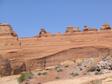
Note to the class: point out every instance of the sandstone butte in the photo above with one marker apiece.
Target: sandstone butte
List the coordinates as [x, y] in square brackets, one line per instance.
[46, 49]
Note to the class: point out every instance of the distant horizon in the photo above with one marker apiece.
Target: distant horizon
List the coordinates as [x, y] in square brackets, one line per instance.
[27, 16]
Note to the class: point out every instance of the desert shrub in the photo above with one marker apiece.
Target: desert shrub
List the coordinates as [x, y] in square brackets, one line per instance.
[74, 74]
[58, 69]
[39, 74]
[24, 76]
[57, 77]
[44, 73]
[48, 69]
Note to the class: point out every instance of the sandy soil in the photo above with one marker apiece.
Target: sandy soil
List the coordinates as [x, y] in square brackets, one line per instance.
[9, 80]
[85, 79]
[106, 79]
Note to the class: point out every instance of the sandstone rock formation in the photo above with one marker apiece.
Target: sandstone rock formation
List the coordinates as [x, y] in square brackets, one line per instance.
[89, 29]
[50, 49]
[105, 27]
[6, 30]
[18, 68]
[43, 33]
[5, 67]
[71, 30]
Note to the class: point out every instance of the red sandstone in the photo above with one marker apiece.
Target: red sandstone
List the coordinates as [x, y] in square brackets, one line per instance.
[48, 49]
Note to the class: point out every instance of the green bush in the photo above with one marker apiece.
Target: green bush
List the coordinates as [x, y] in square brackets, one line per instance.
[24, 76]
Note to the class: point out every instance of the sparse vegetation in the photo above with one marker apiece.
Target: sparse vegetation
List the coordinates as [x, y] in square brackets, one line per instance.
[74, 74]
[58, 69]
[57, 77]
[39, 74]
[72, 71]
[47, 69]
[44, 73]
[24, 76]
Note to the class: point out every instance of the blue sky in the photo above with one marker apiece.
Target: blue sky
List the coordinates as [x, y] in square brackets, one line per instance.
[28, 16]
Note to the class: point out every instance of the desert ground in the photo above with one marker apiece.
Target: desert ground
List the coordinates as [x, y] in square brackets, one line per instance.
[105, 78]
[9, 80]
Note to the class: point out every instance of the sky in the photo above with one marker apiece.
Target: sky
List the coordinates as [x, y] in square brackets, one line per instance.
[28, 16]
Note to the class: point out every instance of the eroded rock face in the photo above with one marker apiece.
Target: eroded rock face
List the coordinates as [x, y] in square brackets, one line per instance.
[43, 33]
[105, 27]
[69, 54]
[14, 34]
[6, 30]
[54, 49]
[19, 68]
[86, 28]
[8, 67]
[71, 30]
[5, 67]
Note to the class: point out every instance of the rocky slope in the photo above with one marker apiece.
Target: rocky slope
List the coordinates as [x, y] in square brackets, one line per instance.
[88, 67]
[19, 64]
